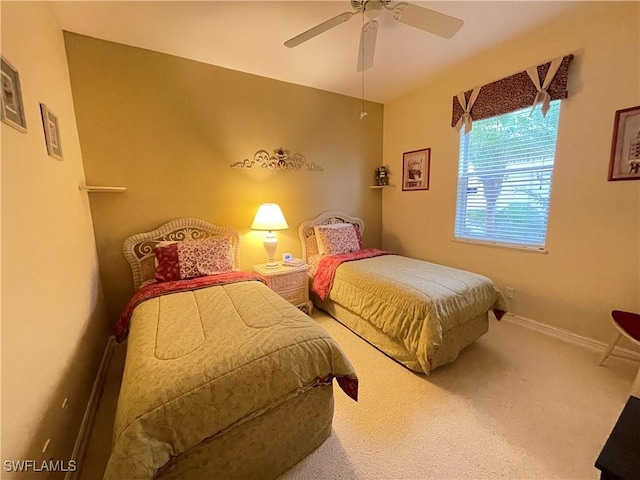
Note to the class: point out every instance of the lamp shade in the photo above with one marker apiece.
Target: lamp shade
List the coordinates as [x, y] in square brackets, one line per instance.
[269, 217]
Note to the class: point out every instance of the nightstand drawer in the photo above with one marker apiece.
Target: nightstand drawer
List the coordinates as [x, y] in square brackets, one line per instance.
[291, 283]
[295, 297]
[288, 282]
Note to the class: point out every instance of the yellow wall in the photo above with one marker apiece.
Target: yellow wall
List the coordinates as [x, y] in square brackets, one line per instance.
[593, 241]
[54, 328]
[168, 129]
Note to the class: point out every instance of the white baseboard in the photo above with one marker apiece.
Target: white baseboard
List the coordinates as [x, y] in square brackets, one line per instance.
[570, 337]
[90, 412]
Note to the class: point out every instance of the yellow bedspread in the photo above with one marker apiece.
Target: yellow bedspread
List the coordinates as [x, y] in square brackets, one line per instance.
[202, 361]
[413, 301]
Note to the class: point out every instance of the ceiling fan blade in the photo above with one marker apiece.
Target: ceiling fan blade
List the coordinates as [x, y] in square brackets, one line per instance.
[318, 29]
[367, 45]
[427, 20]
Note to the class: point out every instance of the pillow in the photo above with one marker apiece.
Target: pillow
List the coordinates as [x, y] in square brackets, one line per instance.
[337, 238]
[193, 258]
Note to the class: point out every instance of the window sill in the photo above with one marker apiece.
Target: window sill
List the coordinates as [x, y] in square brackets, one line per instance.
[506, 246]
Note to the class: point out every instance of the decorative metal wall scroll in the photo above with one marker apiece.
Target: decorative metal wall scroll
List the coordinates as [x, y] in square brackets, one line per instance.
[280, 160]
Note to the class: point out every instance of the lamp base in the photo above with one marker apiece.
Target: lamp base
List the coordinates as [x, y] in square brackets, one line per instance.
[270, 245]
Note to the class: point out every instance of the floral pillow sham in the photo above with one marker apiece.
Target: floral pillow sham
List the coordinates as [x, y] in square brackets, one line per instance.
[337, 238]
[193, 258]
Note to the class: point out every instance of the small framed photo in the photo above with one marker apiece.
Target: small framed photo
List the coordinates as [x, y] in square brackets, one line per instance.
[12, 107]
[625, 145]
[415, 169]
[51, 132]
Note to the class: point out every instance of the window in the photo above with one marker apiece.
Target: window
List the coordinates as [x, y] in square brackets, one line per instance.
[504, 178]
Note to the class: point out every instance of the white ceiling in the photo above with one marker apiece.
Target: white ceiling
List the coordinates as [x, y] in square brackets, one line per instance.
[249, 36]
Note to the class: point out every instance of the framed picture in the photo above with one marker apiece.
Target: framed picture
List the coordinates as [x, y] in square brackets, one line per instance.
[415, 169]
[12, 108]
[625, 146]
[51, 132]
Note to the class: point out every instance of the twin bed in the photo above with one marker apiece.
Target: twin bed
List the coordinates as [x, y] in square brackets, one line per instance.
[225, 379]
[419, 313]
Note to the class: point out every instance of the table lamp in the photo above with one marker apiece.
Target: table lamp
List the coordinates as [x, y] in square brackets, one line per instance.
[268, 218]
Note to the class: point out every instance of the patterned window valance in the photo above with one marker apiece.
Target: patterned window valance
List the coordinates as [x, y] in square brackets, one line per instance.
[512, 93]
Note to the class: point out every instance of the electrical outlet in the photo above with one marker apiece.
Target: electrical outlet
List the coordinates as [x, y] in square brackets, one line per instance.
[509, 292]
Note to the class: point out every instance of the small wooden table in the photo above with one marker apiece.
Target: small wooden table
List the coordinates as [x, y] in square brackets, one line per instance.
[620, 456]
[291, 283]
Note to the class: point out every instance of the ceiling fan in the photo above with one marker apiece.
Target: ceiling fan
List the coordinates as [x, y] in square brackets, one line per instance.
[419, 17]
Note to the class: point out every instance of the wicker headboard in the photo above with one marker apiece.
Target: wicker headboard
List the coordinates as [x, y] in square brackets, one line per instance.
[138, 249]
[308, 236]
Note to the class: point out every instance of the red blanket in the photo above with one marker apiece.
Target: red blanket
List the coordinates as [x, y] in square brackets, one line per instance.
[164, 288]
[323, 281]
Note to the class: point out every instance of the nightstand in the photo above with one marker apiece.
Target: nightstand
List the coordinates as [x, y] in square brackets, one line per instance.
[291, 283]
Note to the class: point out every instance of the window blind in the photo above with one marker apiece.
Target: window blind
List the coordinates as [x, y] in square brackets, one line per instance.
[504, 178]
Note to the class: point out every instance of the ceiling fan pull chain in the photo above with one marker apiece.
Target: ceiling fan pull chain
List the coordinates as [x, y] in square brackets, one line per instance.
[363, 113]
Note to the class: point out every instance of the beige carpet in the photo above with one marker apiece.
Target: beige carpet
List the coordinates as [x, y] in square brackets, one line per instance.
[517, 404]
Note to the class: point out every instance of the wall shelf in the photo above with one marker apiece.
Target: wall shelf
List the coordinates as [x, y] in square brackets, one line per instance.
[97, 188]
[381, 186]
